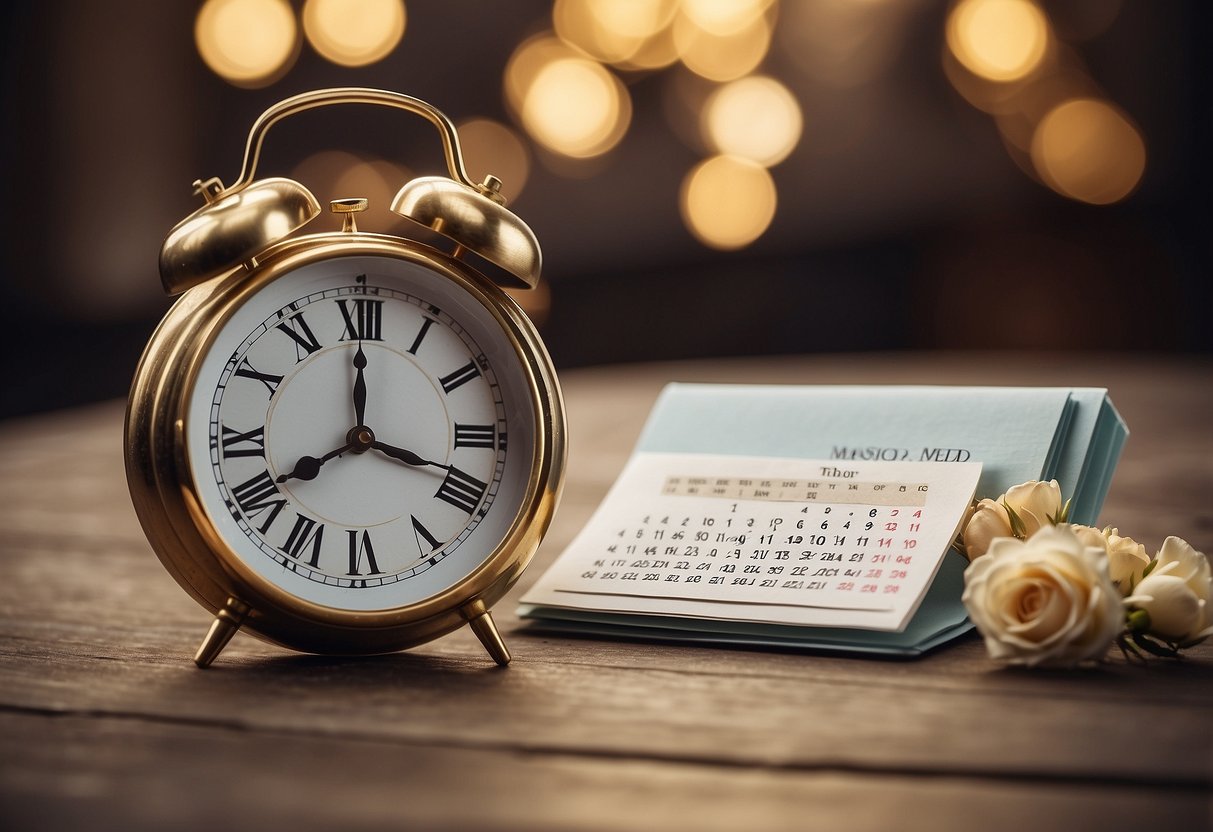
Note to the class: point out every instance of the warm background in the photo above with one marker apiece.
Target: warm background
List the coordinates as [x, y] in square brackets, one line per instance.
[991, 174]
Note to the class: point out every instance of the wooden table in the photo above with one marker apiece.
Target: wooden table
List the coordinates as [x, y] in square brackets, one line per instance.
[106, 723]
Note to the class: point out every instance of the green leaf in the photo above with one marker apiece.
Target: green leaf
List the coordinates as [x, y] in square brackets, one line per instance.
[1128, 650]
[1062, 516]
[1154, 648]
[1017, 527]
[1149, 567]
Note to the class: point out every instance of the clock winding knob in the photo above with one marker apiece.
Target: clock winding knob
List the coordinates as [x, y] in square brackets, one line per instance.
[346, 209]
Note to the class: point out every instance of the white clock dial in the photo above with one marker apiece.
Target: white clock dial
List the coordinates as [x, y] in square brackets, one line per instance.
[361, 433]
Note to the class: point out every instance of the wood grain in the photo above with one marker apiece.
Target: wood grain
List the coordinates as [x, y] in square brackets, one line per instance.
[106, 719]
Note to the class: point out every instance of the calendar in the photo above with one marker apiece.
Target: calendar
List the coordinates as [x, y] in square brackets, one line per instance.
[815, 517]
[780, 541]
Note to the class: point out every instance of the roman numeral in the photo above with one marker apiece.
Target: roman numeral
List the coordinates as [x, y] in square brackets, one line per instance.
[425, 327]
[359, 549]
[305, 531]
[422, 533]
[475, 436]
[364, 322]
[247, 370]
[301, 334]
[460, 377]
[233, 439]
[255, 495]
[461, 490]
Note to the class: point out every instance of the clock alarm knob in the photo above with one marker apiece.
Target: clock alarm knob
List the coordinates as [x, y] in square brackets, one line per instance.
[478, 221]
[232, 228]
[346, 209]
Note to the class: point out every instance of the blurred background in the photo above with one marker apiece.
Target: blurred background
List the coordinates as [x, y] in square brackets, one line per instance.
[706, 177]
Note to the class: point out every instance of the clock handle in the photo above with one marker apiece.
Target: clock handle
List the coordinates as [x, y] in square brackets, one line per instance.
[470, 213]
[481, 621]
[227, 622]
[351, 95]
[238, 223]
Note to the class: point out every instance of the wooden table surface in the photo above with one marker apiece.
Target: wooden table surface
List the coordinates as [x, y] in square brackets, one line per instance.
[105, 723]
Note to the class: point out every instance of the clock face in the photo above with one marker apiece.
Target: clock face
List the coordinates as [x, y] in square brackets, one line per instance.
[361, 433]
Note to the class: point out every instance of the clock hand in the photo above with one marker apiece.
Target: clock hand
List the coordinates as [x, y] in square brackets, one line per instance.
[360, 387]
[308, 466]
[407, 457]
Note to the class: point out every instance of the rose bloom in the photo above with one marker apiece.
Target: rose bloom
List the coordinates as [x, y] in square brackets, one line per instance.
[1127, 559]
[1033, 502]
[1177, 594]
[988, 521]
[1047, 601]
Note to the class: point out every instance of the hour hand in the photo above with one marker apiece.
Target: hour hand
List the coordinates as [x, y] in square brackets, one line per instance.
[309, 466]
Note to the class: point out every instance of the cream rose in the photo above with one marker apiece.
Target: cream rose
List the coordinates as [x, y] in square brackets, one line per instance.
[1038, 504]
[988, 521]
[1035, 505]
[1047, 601]
[1127, 559]
[1177, 594]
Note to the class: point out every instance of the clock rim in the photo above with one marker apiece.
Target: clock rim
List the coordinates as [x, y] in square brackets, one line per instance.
[175, 522]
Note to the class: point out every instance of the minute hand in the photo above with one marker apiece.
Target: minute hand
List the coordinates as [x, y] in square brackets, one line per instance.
[360, 387]
[407, 457]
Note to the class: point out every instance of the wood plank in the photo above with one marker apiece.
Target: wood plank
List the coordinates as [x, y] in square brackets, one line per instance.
[109, 645]
[85, 773]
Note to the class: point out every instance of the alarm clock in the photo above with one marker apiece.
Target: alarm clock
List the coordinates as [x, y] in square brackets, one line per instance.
[346, 442]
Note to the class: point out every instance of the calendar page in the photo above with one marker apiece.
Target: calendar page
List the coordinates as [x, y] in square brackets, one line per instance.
[819, 543]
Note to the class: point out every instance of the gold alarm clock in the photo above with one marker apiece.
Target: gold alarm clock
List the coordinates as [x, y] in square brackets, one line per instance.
[346, 442]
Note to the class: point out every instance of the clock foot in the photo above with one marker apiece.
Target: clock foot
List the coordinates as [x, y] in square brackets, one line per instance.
[484, 628]
[227, 622]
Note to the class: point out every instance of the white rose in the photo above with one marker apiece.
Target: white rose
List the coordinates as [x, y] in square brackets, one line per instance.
[1036, 503]
[1046, 601]
[988, 521]
[1127, 559]
[1177, 594]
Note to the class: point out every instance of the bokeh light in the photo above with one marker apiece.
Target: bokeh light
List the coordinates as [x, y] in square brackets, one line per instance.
[657, 52]
[354, 32]
[728, 202]
[1031, 101]
[568, 103]
[249, 43]
[613, 31]
[576, 24]
[525, 64]
[724, 17]
[722, 57]
[634, 18]
[1000, 40]
[1089, 150]
[491, 147]
[756, 117]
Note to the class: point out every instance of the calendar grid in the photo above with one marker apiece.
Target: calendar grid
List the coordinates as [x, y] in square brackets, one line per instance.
[805, 542]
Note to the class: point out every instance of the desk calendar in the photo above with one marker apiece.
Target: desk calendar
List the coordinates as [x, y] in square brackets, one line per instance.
[815, 517]
[764, 540]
